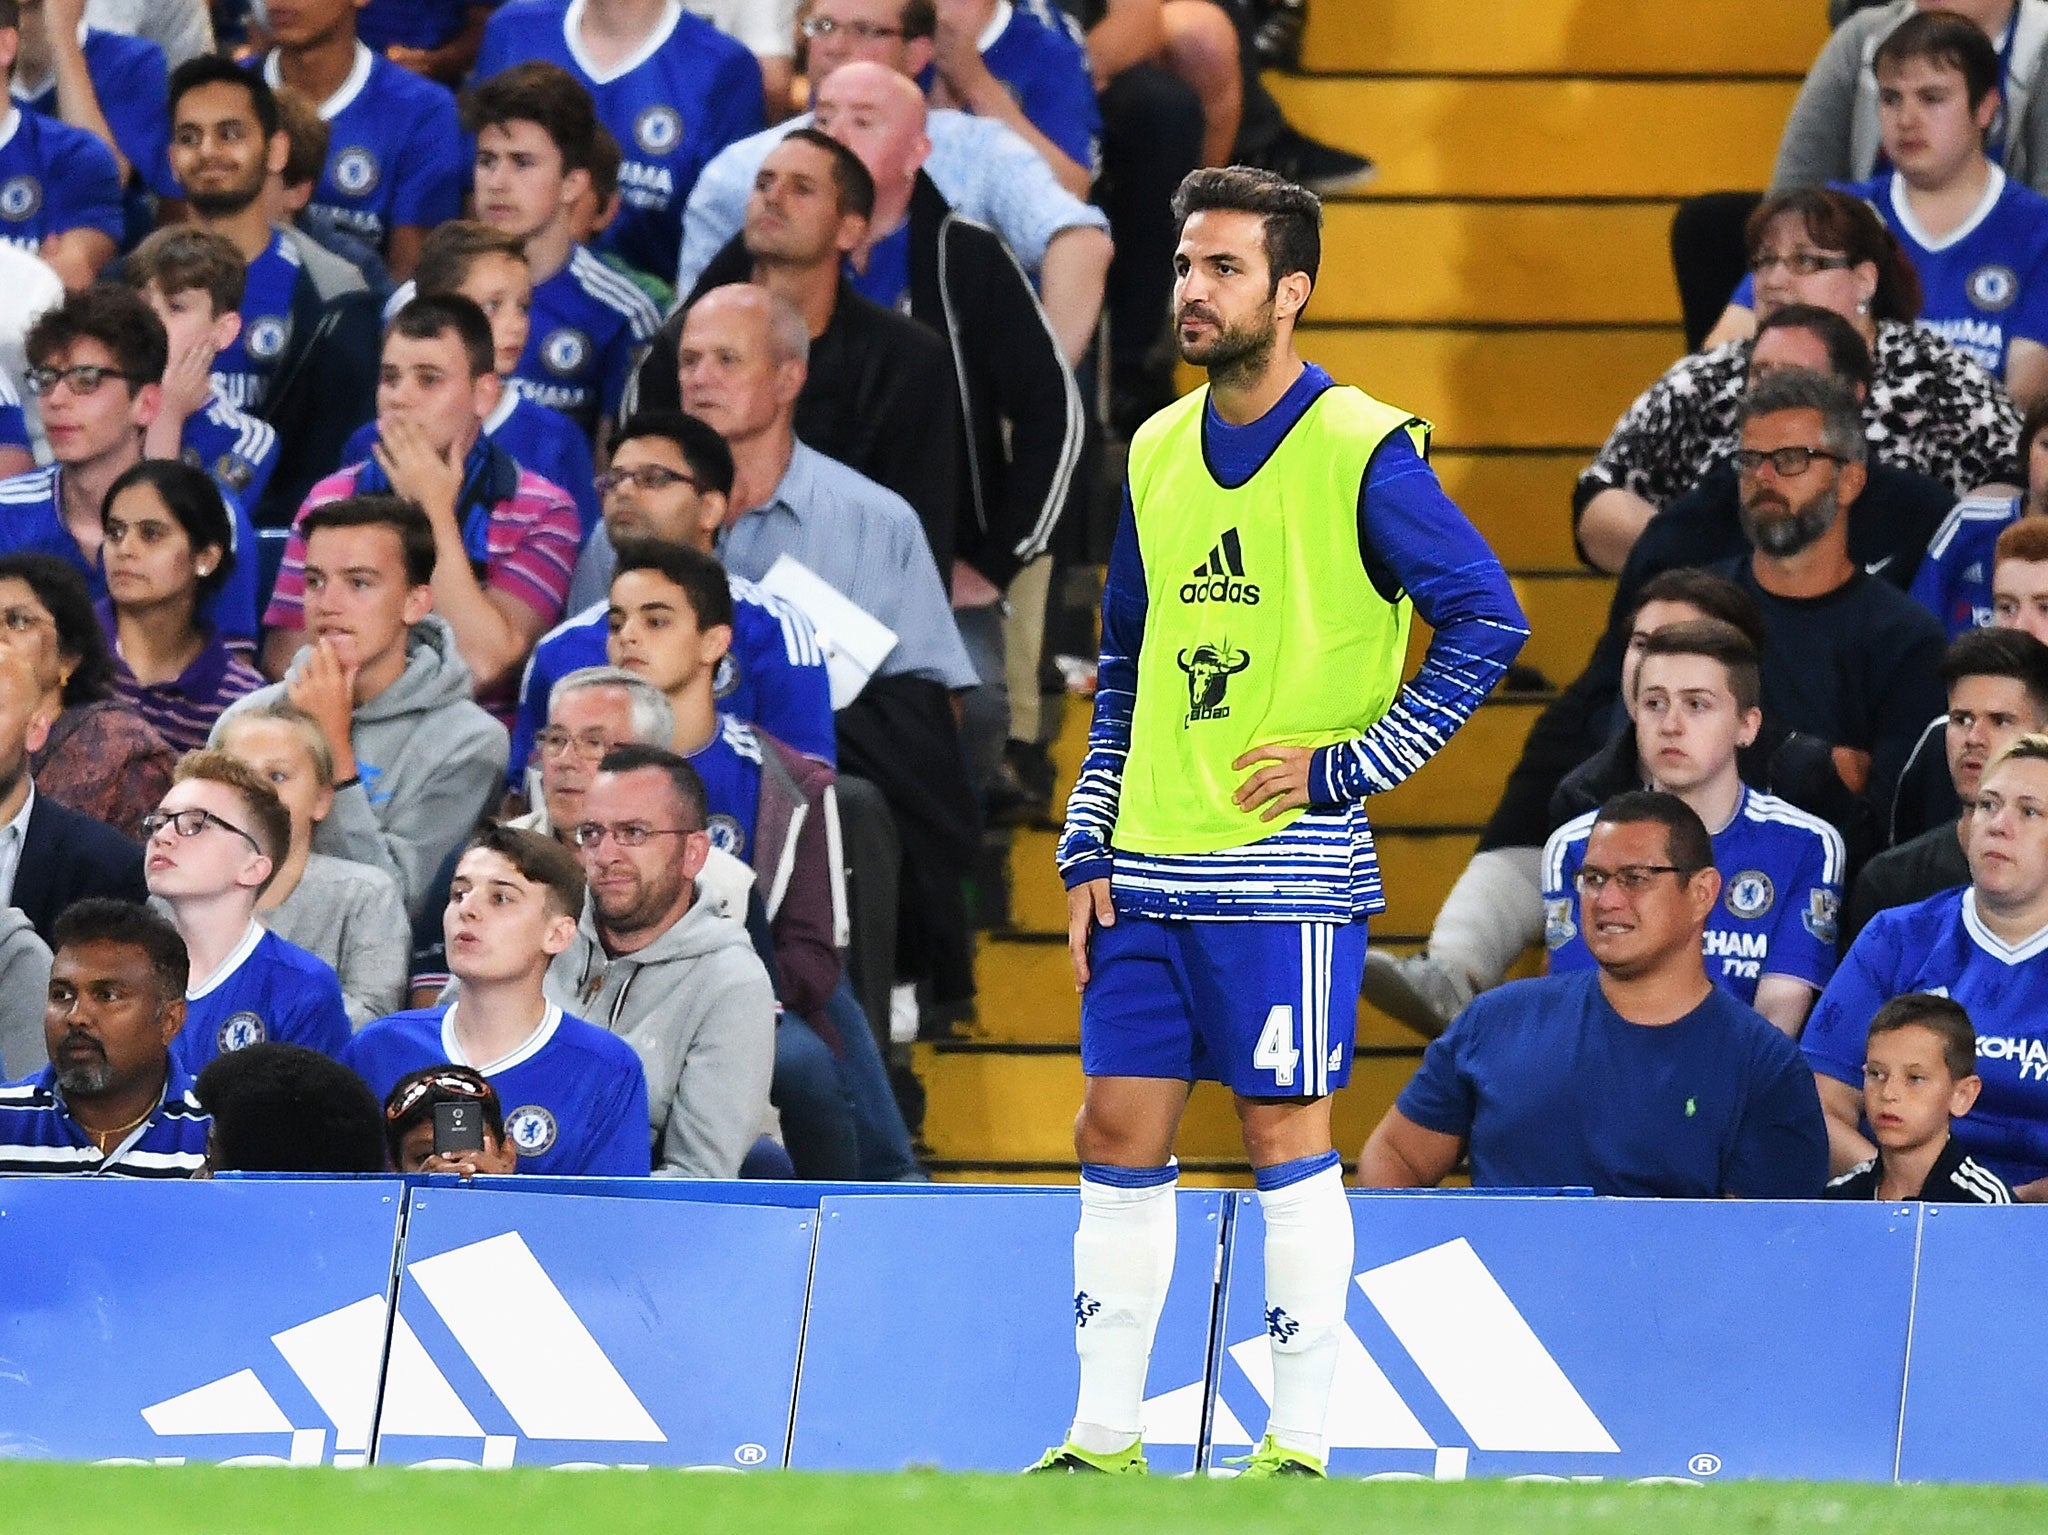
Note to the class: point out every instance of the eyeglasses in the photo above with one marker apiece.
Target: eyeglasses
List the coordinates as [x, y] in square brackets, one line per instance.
[190, 823]
[1798, 263]
[83, 378]
[554, 742]
[439, 1082]
[1632, 877]
[629, 834]
[1789, 463]
[866, 31]
[646, 477]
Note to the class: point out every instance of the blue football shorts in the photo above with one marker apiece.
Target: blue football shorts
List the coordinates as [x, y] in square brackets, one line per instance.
[1269, 1009]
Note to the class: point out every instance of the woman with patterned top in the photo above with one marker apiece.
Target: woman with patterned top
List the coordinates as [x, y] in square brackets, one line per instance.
[1931, 409]
[169, 547]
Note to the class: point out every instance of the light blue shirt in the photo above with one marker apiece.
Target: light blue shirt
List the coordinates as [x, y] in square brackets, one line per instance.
[868, 544]
[983, 168]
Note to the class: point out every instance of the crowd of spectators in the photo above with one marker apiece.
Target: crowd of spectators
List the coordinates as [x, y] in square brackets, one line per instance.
[526, 534]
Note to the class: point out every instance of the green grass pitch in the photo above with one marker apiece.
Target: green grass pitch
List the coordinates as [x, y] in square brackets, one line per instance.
[214, 1501]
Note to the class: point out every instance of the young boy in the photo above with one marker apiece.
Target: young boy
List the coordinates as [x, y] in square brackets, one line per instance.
[489, 269]
[1771, 939]
[1920, 1073]
[578, 1094]
[214, 841]
[535, 128]
[409, 1123]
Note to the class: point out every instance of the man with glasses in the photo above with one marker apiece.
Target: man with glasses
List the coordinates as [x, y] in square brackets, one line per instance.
[669, 478]
[1639, 1077]
[662, 969]
[213, 843]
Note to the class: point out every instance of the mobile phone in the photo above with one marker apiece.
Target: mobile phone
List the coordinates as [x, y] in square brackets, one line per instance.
[458, 1127]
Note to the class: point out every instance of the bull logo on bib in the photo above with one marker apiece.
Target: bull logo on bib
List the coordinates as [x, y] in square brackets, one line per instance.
[1209, 669]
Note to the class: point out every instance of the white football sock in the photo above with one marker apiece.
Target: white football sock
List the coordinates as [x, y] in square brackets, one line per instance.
[1309, 1250]
[1123, 1261]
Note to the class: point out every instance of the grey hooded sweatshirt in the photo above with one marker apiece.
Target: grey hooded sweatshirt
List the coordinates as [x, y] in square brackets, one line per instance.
[430, 760]
[24, 987]
[699, 1009]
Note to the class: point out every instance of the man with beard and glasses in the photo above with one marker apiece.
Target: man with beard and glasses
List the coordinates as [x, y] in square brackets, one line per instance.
[1859, 660]
[112, 1100]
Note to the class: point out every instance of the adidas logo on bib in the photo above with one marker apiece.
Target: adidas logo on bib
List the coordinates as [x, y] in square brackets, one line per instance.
[1220, 578]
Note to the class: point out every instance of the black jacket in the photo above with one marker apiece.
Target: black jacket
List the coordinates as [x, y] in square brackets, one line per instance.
[66, 857]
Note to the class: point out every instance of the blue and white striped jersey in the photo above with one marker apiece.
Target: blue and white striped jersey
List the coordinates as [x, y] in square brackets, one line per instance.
[38, 1134]
[1954, 579]
[589, 323]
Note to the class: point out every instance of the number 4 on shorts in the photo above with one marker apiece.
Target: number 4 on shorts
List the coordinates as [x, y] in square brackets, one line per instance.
[1275, 1050]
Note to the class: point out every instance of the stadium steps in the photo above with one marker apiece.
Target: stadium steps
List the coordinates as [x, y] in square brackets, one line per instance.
[1507, 277]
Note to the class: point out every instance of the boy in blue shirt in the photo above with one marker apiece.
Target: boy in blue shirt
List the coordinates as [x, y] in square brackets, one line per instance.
[575, 1094]
[394, 157]
[674, 91]
[60, 186]
[535, 129]
[213, 843]
[1770, 940]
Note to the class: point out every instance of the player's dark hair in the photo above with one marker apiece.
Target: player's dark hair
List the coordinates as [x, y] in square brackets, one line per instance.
[1715, 597]
[539, 860]
[707, 454]
[185, 257]
[280, 1108]
[403, 517]
[547, 96]
[1717, 641]
[101, 919]
[215, 69]
[1293, 214]
[2010, 653]
[1946, 1017]
[682, 778]
[452, 249]
[1946, 39]
[1844, 223]
[434, 315]
[1687, 847]
[269, 822]
[1848, 353]
[118, 318]
[62, 591]
[702, 578]
[194, 501]
[850, 176]
[415, 1095]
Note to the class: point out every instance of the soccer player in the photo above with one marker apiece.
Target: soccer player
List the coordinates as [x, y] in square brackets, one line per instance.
[535, 130]
[672, 89]
[60, 187]
[394, 161]
[1980, 945]
[113, 1099]
[669, 478]
[1771, 940]
[1216, 855]
[212, 844]
[1919, 1077]
[1978, 241]
[579, 1095]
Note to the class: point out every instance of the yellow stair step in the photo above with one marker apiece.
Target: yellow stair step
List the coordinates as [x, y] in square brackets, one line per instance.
[1524, 262]
[1565, 611]
[1474, 137]
[1417, 869]
[1520, 500]
[1460, 785]
[1575, 36]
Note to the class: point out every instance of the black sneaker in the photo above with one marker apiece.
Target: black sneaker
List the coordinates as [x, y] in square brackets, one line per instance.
[1324, 170]
[1277, 37]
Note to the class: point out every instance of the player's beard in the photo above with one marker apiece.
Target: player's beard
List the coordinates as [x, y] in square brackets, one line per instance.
[1234, 352]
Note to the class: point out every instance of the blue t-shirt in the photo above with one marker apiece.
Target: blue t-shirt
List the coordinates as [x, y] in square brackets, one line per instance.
[543, 440]
[574, 1096]
[1954, 579]
[730, 765]
[266, 990]
[886, 280]
[130, 79]
[1982, 285]
[774, 675]
[1556, 1089]
[685, 95]
[239, 451]
[32, 519]
[394, 151]
[589, 323]
[1942, 946]
[242, 369]
[54, 178]
[1781, 892]
[1041, 56]
[383, 24]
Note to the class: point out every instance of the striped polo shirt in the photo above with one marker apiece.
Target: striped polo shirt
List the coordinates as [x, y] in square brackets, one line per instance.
[183, 710]
[38, 1134]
